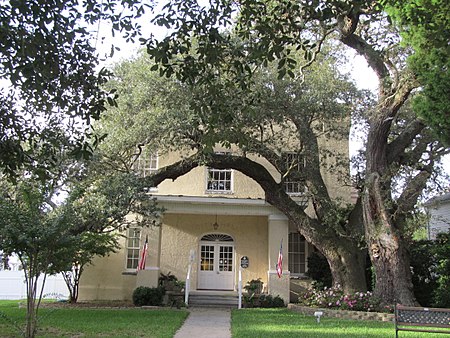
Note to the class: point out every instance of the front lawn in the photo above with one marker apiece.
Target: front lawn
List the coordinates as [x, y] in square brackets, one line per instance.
[83, 322]
[286, 323]
[89, 322]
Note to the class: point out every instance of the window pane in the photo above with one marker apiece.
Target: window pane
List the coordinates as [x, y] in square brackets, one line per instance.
[133, 247]
[294, 165]
[296, 251]
[226, 258]
[146, 164]
[207, 258]
[219, 180]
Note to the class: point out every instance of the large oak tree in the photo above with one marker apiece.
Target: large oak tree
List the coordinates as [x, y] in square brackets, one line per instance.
[309, 121]
[199, 50]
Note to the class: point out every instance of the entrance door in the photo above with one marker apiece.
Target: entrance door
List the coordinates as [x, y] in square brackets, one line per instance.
[216, 266]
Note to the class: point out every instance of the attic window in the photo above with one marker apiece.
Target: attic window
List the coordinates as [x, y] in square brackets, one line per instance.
[294, 165]
[146, 164]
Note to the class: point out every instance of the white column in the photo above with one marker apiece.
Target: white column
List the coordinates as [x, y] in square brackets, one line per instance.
[278, 228]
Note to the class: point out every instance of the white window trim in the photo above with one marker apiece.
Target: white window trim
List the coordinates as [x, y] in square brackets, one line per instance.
[286, 182]
[151, 170]
[301, 274]
[219, 192]
[127, 247]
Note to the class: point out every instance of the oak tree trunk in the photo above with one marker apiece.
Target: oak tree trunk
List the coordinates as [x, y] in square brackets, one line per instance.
[389, 256]
[348, 268]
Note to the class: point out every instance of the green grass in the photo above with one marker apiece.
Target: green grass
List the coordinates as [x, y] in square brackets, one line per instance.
[285, 323]
[132, 322]
[86, 322]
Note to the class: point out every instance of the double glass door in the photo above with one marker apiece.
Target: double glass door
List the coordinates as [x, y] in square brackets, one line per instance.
[216, 266]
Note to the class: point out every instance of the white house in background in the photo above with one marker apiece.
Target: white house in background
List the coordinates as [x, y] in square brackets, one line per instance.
[439, 211]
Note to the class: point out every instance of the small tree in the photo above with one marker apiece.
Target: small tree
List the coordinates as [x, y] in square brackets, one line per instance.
[97, 208]
[36, 234]
[49, 238]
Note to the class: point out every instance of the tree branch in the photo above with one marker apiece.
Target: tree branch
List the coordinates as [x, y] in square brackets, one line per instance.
[398, 146]
[347, 26]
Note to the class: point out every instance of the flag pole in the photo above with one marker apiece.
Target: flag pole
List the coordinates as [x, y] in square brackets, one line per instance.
[141, 263]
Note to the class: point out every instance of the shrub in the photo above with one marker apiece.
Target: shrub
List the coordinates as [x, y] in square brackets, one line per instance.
[254, 286]
[170, 282]
[441, 295]
[430, 266]
[423, 271]
[319, 270]
[164, 279]
[144, 295]
[263, 301]
[278, 302]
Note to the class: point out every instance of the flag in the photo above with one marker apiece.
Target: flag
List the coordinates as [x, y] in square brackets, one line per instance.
[280, 261]
[141, 264]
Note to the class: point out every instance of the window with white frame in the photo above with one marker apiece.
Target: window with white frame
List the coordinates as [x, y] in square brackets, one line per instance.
[297, 253]
[146, 164]
[133, 247]
[294, 163]
[219, 180]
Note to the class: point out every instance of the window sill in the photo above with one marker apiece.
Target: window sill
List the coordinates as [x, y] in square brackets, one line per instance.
[299, 276]
[218, 192]
[129, 273]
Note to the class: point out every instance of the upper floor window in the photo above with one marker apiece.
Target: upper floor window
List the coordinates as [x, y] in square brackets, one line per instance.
[293, 183]
[219, 180]
[146, 164]
[133, 247]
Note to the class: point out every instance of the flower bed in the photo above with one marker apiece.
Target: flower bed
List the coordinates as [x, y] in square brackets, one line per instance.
[347, 314]
[335, 298]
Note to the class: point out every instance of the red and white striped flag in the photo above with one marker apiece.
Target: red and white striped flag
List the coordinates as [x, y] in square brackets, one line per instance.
[141, 264]
[280, 261]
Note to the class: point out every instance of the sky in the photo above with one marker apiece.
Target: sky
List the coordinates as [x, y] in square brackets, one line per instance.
[358, 68]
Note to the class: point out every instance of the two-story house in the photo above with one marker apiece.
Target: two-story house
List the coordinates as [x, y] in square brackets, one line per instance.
[213, 218]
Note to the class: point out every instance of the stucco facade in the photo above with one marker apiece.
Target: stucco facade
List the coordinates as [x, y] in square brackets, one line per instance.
[212, 230]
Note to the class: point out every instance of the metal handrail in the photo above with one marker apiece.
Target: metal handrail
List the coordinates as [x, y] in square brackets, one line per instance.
[240, 288]
[187, 286]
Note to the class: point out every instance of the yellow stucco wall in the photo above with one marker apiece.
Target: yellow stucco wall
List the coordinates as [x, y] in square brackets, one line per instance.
[181, 233]
[104, 279]
[194, 183]
[108, 279]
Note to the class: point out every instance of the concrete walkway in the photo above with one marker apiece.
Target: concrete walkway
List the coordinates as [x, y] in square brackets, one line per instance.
[206, 322]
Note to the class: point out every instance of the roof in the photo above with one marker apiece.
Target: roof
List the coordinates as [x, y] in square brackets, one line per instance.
[438, 199]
